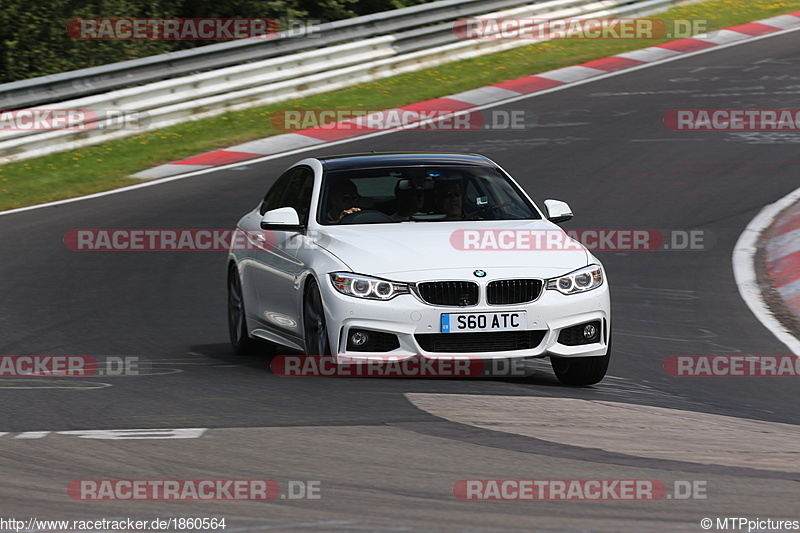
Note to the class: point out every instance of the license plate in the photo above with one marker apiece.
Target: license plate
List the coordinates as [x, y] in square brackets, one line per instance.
[469, 322]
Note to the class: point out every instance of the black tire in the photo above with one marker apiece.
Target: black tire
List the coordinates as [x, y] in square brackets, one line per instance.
[314, 326]
[581, 370]
[237, 323]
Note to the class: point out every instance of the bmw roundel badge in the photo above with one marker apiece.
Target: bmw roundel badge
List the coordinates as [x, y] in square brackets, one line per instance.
[480, 273]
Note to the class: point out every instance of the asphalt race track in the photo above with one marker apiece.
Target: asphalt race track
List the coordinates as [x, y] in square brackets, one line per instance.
[386, 453]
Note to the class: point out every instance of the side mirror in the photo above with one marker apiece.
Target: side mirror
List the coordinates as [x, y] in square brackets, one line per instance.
[281, 219]
[557, 211]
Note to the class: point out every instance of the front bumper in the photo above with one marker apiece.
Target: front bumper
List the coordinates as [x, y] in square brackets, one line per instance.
[408, 318]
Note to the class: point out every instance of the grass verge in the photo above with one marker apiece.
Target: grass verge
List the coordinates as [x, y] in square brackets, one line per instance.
[107, 166]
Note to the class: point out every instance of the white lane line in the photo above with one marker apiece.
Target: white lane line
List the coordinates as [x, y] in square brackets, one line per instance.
[116, 434]
[20, 384]
[32, 435]
[136, 434]
[744, 269]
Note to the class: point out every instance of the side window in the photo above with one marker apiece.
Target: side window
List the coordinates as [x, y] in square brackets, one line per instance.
[293, 189]
[272, 200]
[298, 192]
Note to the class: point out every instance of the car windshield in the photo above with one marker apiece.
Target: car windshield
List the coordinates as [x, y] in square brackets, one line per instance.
[420, 194]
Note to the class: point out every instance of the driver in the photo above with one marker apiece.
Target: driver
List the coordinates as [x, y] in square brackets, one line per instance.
[448, 199]
[344, 199]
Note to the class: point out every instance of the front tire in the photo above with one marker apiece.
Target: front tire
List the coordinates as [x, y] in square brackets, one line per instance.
[314, 326]
[581, 370]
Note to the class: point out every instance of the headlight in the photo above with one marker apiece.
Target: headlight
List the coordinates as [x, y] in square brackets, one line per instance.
[582, 280]
[366, 286]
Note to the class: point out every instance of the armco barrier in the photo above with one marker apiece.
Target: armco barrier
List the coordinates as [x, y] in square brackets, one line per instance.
[96, 80]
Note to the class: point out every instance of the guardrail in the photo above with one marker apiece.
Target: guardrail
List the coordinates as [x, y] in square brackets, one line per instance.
[85, 82]
[315, 70]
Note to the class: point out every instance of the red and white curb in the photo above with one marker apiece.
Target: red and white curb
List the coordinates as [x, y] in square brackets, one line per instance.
[783, 257]
[477, 97]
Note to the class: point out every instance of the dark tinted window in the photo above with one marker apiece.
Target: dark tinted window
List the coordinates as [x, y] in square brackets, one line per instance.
[443, 192]
[293, 189]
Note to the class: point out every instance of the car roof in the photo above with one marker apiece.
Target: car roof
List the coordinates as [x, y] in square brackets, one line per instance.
[401, 159]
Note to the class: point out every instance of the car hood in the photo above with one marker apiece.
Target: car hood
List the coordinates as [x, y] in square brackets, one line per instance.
[413, 251]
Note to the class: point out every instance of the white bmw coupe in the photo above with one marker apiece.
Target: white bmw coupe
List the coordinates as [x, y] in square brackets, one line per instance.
[416, 255]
